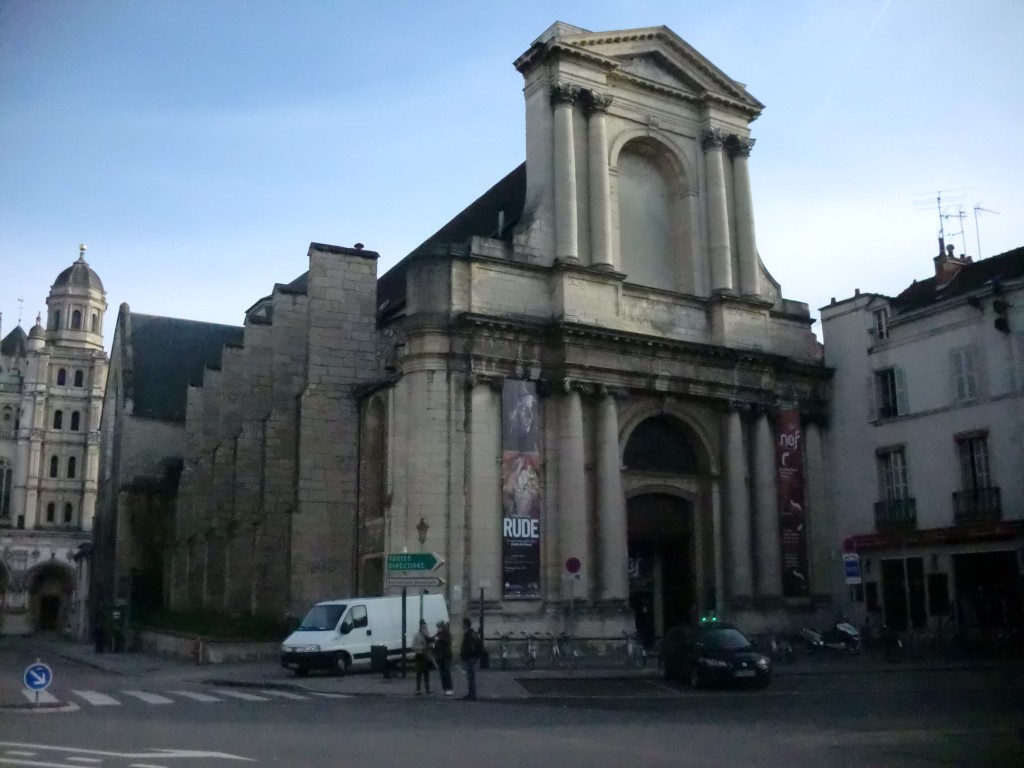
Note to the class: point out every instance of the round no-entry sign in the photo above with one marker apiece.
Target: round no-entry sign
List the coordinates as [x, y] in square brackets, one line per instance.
[573, 565]
[849, 545]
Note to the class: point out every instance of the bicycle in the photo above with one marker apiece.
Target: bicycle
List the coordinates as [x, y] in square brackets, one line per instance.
[563, 654]
[503, 649]
[633, 651]
[530, 651]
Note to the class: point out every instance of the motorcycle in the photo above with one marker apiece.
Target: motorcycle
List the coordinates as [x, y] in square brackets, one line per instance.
[843, 636]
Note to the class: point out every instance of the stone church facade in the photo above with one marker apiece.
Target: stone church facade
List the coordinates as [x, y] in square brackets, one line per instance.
[590, 364]
[51, 397]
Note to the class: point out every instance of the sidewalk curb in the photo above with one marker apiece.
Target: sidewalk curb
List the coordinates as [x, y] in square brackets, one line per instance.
[43, 709]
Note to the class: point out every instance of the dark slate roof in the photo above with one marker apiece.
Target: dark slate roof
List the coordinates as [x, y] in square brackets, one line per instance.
[970, 278]
[13, 344]
[168, 354]
[79, 275]
[480, 219]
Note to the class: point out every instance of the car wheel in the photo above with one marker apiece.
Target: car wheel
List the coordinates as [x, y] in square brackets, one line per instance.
[696, 678]
[301, 671]
[763, 682]
[341, 664]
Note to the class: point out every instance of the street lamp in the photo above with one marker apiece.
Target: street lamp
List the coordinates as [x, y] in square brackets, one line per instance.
[421, 529]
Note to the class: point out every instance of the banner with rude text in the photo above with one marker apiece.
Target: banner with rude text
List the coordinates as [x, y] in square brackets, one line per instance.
[521, 474]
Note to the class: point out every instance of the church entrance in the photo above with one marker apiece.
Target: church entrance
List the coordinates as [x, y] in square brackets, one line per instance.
[661, 585]
[51, 587]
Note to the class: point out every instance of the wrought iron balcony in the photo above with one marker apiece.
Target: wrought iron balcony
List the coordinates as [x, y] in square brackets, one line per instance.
[977, 505]
[896, 515]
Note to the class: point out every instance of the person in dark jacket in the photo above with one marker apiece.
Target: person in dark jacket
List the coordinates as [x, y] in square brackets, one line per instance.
[469, 652]
[443, 656]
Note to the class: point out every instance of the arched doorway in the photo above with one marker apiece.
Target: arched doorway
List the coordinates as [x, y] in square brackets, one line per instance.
[50, 587]
[664, 533]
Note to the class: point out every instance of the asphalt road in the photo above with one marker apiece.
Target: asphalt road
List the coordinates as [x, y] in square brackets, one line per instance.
[897, 719]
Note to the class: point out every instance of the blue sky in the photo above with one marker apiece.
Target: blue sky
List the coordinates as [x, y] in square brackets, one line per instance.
[198, 147]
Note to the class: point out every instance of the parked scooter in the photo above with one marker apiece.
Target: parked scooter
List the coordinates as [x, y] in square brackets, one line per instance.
[843, 636]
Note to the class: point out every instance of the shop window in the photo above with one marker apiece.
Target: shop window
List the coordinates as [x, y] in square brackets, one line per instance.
[938, 594]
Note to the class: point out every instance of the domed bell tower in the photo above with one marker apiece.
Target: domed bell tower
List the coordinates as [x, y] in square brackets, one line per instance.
[75, 307]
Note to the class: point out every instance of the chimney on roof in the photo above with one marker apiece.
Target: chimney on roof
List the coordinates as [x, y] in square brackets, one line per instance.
[947, 265]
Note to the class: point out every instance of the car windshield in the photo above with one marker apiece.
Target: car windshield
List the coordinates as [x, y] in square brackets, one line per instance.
[726, 638]
[322, 617]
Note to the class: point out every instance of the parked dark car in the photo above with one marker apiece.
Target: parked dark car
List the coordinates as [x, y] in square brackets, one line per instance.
[713, 653]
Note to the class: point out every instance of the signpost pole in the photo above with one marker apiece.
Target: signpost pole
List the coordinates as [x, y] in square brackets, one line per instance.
[572, 604]
[404, 591]
[421, 603]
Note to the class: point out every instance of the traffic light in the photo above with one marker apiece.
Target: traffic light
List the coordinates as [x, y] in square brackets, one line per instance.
[1002, 309]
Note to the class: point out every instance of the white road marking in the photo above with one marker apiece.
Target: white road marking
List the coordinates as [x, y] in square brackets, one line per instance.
[89, 760]
[331, 695]
[153, 752]
[204, 697]
[31, 763]
[149, 698]
[146, 765]
[241, 695]
[45, 697]
[98, 699]
[17, 753]
[283, 694]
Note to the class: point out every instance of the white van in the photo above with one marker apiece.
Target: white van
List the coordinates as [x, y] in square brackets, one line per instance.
[337, 634]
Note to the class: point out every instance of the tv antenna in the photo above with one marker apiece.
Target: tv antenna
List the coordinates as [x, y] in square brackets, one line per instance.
[950, 198]
[960, 214]
[978, 209]
[21, 301]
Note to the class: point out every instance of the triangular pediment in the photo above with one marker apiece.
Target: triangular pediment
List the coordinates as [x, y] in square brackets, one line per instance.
[651, 55]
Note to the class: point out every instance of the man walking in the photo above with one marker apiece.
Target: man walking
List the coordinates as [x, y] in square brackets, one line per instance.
[469, 652]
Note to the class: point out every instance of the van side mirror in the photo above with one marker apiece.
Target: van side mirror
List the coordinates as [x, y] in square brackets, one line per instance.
[346, 627]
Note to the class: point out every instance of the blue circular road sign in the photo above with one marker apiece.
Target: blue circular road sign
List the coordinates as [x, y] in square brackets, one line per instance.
[38, 677]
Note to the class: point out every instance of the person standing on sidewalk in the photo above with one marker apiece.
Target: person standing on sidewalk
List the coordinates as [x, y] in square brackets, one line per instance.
[469, 652]
[423, 658]
[443, 656]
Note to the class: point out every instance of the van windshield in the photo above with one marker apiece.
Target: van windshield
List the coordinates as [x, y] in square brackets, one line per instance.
[321, 618]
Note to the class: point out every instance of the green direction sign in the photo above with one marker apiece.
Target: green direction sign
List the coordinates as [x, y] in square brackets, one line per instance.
[421, 562]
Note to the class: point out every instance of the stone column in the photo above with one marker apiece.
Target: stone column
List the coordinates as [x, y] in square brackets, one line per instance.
[612, 548]
[768, 581]
[92, 471]
[822, 541]
[717, 541]
[746, 244]
[738, 510]
[566, 234]
[483, 502]
[718, 212]
[573, 529]
[601, 247]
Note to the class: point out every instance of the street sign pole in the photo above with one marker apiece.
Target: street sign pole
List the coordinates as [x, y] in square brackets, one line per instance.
[404, 592]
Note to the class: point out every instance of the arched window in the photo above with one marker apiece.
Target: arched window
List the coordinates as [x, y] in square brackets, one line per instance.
[659, 445]
[62, 377]
[56, 320]
[75, 421]
[69, 513]
[53, 466]
[6, 480]
[71, 468]
[95, 322]
[51, 512]
[79, 378]
[58, 419]
[76, 320]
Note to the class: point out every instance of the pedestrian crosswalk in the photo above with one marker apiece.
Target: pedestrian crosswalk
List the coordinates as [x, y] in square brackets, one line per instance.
[168, 697]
